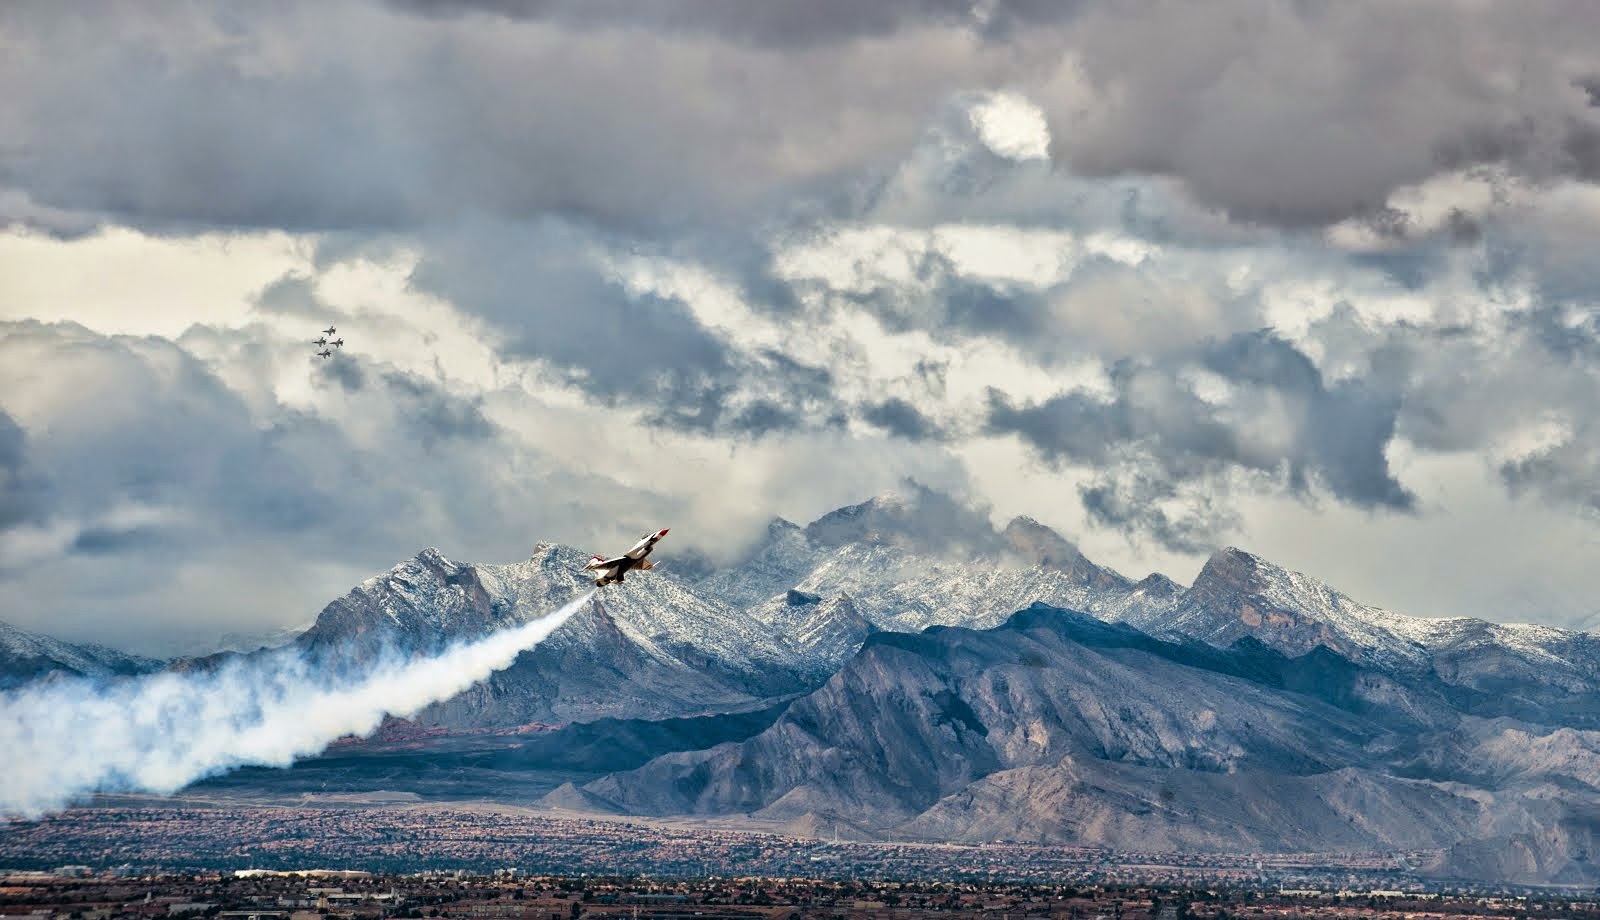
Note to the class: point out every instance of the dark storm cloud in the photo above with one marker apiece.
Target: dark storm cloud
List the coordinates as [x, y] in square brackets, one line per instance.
[269, 117]
[433, 414]
[1270, 111]
[763, 417]
[345, 371]
[552, 292]
[105, 541]
[774, 24]
[1564, 473]
[1156, 434]
[1582, 147]
[679, 112]
[296, 296]
[16, 488]
[545, 288]
[902, 419]
[1072, 426]
[1138, 505]
[1340, 431]
[1519, 390]
[1591, 88]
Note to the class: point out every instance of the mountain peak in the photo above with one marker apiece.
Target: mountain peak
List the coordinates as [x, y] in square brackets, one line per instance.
[1239, 593]
[1158, 585]
[1232, 570]
[432, 556]
[923, 520]
[1039, 545]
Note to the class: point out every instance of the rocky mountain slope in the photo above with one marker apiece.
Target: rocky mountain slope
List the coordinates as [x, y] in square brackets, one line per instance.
[913, 561]
[653, 650]
[869, 670]
[26, 656]
[785, 617]
[1056, 728]
[908, 563]
[1533, 672]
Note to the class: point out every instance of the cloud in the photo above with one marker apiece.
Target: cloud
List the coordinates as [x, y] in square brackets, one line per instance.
[14, 489]
[1251, 404]
[264, 118]
[253, 483]
[294, 295]
[207, 481]
[546, 289]
[555, 295]
[1273, 122]
[433, 415]
[902, 419]
[777, 25]
[1183, 517]
[660, 114]
[711, 261]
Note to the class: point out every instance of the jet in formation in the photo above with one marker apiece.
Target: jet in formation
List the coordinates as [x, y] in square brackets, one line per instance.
[613, 570]
[329, 331]
[325, 353]
[320, 342]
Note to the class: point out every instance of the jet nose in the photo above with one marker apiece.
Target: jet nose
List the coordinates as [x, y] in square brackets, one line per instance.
[662, 533]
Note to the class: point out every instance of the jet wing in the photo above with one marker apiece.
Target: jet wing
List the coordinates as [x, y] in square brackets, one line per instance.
[595, 562]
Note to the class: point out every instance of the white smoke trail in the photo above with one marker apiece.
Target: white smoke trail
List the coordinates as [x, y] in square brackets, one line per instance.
[61, 741]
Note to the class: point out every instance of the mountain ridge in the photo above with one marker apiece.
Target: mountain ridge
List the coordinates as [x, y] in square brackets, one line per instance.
[28, 656]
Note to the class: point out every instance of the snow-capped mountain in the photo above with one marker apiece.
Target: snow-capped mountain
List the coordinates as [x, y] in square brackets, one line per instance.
[1057, 728]
[689, 638]
[822, 632]
[26, 656]
[1503, 669]
[655, 649]
[903, 579]
[911, 563]
[1257, 707]
[1238, 594]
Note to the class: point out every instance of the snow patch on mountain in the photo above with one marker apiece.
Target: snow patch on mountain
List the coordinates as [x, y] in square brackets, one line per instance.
[25, 656]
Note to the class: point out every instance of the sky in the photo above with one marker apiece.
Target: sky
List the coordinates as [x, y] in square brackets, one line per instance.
[1314, 279]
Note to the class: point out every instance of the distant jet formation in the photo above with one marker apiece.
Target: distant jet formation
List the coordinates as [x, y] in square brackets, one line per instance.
[323, 343]
[614, 570]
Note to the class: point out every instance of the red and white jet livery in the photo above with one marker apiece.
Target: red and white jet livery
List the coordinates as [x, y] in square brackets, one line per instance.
[610, 570]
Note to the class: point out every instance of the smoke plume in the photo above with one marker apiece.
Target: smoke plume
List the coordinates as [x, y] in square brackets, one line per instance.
[67, 739]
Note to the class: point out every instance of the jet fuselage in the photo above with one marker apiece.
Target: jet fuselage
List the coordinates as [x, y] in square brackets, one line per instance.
[615, 570]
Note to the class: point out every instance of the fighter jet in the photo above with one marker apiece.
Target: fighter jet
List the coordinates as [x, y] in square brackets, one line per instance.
[329, 331]
[338, 343]
[611, 570]
[323, 341]
[325, 353]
